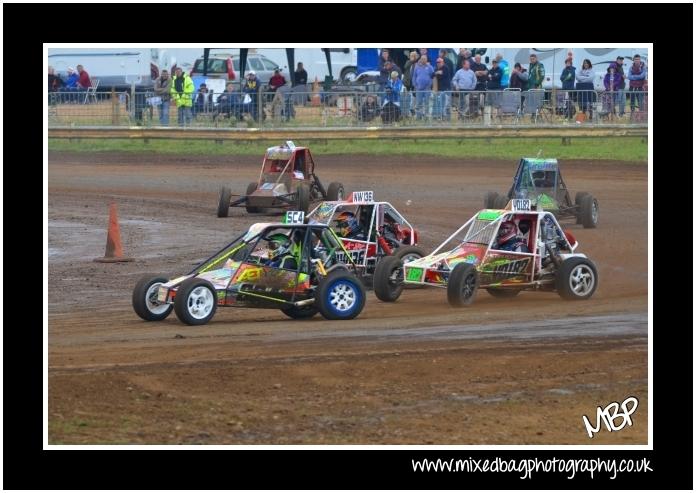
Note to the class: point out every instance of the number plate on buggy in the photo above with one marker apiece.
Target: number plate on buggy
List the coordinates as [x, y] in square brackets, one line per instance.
[414, 274]
[521, 205]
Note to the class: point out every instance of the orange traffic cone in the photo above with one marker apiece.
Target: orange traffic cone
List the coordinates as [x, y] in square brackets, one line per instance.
[114, 251]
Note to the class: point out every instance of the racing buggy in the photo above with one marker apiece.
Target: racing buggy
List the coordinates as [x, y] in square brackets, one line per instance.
[369, 231]
[307, 279]
[472, 258]
[540, 181]
[287, 181]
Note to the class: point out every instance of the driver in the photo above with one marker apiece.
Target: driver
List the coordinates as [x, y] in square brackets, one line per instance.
[509, 240]
[280, 252]
[348, 227]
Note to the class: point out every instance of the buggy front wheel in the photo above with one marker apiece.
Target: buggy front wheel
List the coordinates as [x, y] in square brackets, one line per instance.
[340, 296]
[224, 202]
[145, 302]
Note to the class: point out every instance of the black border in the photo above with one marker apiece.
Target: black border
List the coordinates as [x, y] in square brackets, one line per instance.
[26, 465]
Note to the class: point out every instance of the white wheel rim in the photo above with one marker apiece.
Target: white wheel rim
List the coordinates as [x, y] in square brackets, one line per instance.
[582, 280]
[342, 297]
[200, 302]
[340, 194]
[150, 300]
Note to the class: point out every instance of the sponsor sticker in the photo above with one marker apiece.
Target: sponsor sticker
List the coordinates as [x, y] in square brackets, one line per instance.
[414, 274]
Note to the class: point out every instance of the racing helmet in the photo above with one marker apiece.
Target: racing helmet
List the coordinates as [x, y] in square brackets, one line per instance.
[278, 245]
[346, 223]
[507, 231]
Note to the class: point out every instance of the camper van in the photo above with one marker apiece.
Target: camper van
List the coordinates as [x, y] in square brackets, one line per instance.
[122, 68]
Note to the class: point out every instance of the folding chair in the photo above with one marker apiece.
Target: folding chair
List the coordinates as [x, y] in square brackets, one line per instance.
[92, 91]
[510, 102]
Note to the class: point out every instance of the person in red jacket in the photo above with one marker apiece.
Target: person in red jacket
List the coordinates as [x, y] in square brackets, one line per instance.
[84, 82]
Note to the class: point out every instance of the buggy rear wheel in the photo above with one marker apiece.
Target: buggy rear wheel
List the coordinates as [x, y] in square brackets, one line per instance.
[300, 312]
[335, 191]
[224, 202]
[578, 198]
[489, 200]
[251, 189]
[145, 302]
[589, 211]
[302, 202]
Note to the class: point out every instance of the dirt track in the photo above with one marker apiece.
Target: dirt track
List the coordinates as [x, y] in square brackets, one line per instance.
[408, 372]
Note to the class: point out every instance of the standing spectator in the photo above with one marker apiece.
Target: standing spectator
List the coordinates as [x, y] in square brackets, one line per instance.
[408, 70]
[612, 81]
[505, 69]
[585, 87]
[464, 54]
[203, 100]
[568, 76]
[441, 104]
[519, 78]
[251, 90]
[422, 83]
[383, 59]
[85, 82]
[536, 72]
[481, 72]
[637, 78]
[448, 62]
[495, 75]
[182, 93]
[424, 52]
[300, 75]
[385, 72]
[163, 87]
[391, 106]
[620, 94]
[464, 81]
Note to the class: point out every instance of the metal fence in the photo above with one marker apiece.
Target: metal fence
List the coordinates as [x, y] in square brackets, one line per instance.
[298, 107]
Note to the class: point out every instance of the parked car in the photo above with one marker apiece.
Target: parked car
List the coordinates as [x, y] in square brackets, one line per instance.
[224, 65]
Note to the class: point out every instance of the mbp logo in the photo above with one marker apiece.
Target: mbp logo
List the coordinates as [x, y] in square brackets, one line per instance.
[609, 414]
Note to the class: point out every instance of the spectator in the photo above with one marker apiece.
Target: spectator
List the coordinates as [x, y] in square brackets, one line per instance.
[163, 87]
[85, 82]
[424, 52]
[72, 82]
[612, 81]
[495, 75]
[637, 78]
[408, 70]
[481, 72]
[385, 72]
[536, 72]
[54, 81]
[182, 93]
[464, 54]
[620, 94]
[448, 62]
[441, 104]
[504, 69]
[464, 81]
[422, 83]
[203, 100]
[568, 76]
[227, 103]
[300, 75]
[369, 109]
[383, 59]
[585, 87]
[391, 106]
[276, 81]
[519, 78]
[251, 90]
[284, 95]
